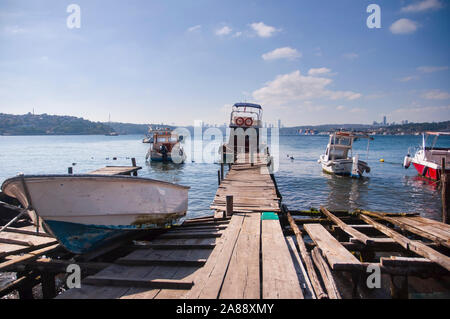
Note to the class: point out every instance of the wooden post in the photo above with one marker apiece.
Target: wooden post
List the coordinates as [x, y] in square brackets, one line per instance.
[399, 287]
[133, 162]
[218, 177]
[48, 285]
[70, 170]
[229, 210]
[221, 171]
[224, 155]
[445, 194]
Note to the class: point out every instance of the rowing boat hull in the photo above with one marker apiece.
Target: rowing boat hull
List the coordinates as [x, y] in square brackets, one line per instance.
[83, 211]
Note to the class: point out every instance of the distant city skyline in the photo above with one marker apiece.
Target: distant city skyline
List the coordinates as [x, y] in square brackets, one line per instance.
[171, 61]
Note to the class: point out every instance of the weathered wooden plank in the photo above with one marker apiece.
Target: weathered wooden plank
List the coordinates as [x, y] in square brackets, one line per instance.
[327, 276]
[279, 278]
[346, 228]
[419, 226]
[302, 274]
[417, 247]
[176, 235]
[209, 280]
[160, 262]
[26, 257]
[319, 293]
[337, 256]
[138, 282]
[242, 278]
[174, 246]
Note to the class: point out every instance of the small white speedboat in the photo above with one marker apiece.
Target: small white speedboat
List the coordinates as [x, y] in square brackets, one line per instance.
[84, 211]
[337, 159]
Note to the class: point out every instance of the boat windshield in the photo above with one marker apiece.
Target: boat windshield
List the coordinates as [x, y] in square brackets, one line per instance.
[437, 142]
[347, 141]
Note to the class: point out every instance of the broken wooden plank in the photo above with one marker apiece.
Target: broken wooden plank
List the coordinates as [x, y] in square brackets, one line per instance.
[320, 294]
[337, 256]
[325, 272]
[407, 223]
[417, 247]
[346, 228]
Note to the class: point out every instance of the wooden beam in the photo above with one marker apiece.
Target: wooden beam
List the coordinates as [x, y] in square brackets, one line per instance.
[408, 227]
[137, 282]
[337, 256]
[417, 247]
[32, 255]
[320, 294]
[189, 235]
[327, 276]
[346, 228]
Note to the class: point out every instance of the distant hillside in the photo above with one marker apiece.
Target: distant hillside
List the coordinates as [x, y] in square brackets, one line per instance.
[44, 124]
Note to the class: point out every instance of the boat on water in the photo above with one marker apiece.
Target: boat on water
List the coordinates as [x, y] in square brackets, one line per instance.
[427, 159]
[245, 118]
[85, 211]
[149, 137]
[166, 147]
[338, 158]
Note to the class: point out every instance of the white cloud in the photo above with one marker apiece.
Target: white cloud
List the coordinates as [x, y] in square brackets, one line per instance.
[318, 71]
[237, 34]
[294, 87]
[409, 78]
[194, 28]
[224, 30]
[263, 30]
[423, 6]
[431, 69]
[350, 56]
[403, 26]
[282, 53]
[436, 95]
[340, 108]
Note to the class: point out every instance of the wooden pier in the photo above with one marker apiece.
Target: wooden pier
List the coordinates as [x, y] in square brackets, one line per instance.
[251, 247]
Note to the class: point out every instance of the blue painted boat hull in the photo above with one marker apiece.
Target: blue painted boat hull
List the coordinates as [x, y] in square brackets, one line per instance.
[80, 239]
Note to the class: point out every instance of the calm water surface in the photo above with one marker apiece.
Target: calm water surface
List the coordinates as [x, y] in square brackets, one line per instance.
[388, 187]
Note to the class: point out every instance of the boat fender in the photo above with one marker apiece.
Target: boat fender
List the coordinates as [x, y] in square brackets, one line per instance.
[407, 161]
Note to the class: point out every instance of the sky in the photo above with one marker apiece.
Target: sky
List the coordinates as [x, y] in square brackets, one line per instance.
[175, 61]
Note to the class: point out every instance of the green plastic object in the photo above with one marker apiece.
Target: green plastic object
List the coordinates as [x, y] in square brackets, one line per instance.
[269, 216]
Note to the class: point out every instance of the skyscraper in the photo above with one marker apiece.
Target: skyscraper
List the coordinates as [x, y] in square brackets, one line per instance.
[384, 120]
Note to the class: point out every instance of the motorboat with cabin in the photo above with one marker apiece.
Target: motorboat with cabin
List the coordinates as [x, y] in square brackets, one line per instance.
[84, 212]
[166, 147]
[338, 158]
[245, 120]
[427, 160]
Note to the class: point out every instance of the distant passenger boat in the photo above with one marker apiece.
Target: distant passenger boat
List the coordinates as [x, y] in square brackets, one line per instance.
[337, 159]
[166, 147]
[85, 211]
[427, 160]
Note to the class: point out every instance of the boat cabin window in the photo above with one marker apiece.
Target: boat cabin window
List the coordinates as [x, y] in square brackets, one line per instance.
[162, 139]
[173, 139]
[338, 154]
[342, 141]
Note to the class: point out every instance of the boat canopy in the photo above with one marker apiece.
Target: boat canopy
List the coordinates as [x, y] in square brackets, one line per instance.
[437, 133]
[256, 106]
